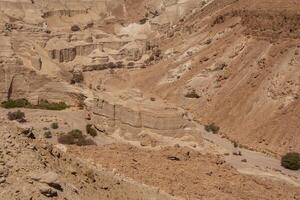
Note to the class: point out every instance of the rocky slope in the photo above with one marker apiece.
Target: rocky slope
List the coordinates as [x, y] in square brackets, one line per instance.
[242, 62]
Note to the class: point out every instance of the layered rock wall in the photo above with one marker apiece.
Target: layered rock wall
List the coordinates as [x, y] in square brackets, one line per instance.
[165, 120]
[68, 13]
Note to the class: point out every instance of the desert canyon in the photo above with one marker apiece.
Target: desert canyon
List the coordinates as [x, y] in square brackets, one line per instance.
[149, 99]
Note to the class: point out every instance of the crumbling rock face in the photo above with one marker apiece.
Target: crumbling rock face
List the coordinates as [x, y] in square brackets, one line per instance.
[118, 115]
[66, 13]
[271, 24]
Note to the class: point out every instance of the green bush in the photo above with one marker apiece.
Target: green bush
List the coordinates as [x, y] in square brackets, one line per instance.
[75, 137]
[91, 131]
[18, 115]
[291, 161]
[212, 128]
[44, 104]
[18, 103]
[48, 134]
[54, 125]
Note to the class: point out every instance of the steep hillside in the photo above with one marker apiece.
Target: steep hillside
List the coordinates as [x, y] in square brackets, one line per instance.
[243, 62]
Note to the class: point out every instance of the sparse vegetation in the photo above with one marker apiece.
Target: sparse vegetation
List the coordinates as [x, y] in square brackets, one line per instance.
[18, 103]
[192, 94]
[143, 21]
[54, 125]
[212, 128]
[291, 161]
[48, 134]
[235, 144]
[17, 115]
[75, 28]
[75, 137]
[91, 131]
[43, 104]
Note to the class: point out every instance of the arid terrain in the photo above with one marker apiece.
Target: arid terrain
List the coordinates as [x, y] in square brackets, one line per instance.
[149, 99]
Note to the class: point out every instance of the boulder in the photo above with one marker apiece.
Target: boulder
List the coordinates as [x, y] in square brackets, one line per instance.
[237, 152]
[49, 178]
[47, 191]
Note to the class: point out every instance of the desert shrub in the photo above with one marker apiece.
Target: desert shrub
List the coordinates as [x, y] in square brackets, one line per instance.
[44, 104]
[75, 137]
[18, 103]
[91, 131]
[143, 21]
[77, 77]
[75, 28]
[48, 134]
[192, 94]
[90, 174]
[235, 144]
[17, 115]
[54, 125]
[291, 161]
[212, 128]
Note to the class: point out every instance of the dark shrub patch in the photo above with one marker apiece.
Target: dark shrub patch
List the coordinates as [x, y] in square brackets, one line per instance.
[54, 125]
[75, 137]
[75, 28]
[212, 128]
[291, 161]
[44, 104]
[192, 94]
[91, 131]
[48, 134]
[18, 116]
[18, 103]
[143, 21]
[235, 144]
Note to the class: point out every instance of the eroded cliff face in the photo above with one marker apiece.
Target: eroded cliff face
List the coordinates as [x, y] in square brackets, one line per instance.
[136, 116]
[240, 61]
[241, 64]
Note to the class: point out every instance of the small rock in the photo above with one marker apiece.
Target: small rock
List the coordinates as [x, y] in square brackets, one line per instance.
[220, 162]
[50, 179]
[3, 171]
[209, 173]
[2, 180]
[244, 160]
[237, 152]
[173, 158]
[47, 191]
